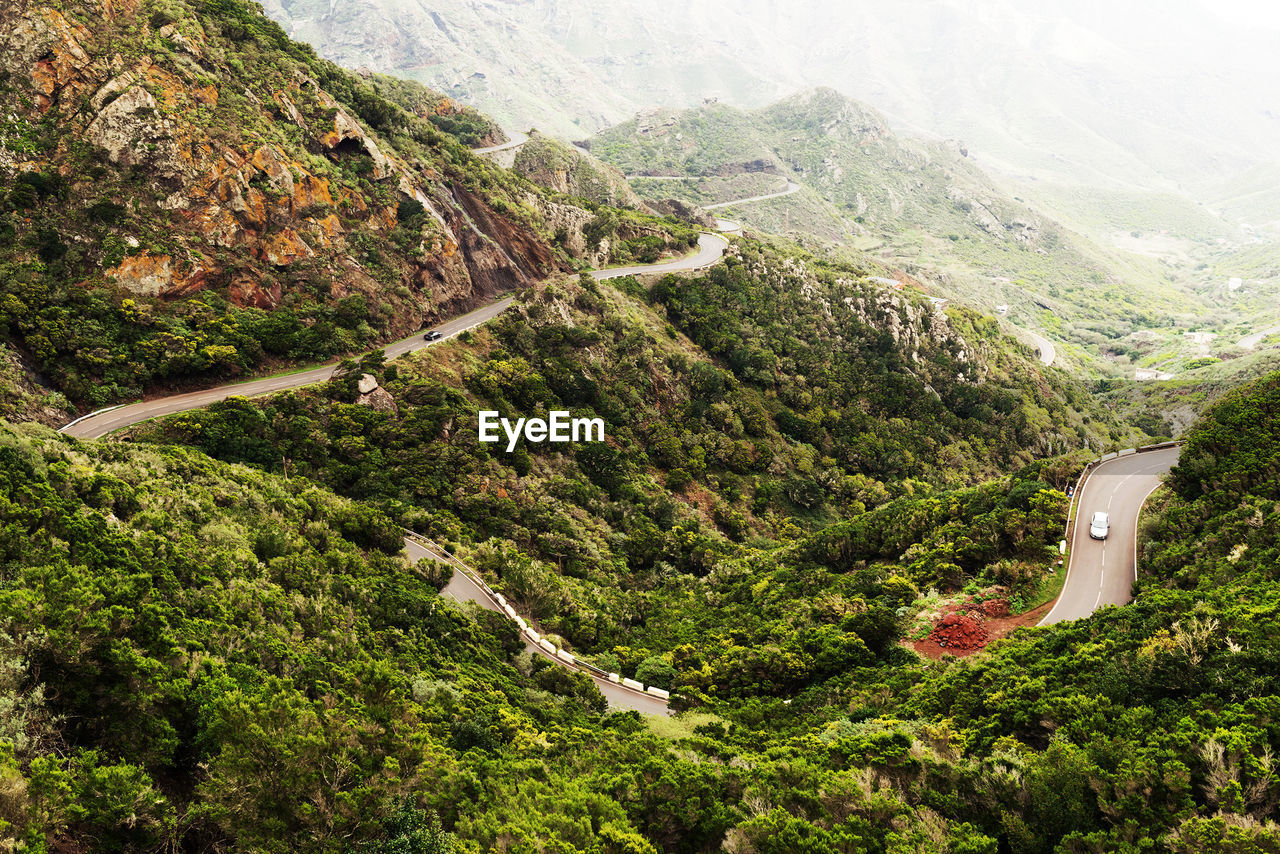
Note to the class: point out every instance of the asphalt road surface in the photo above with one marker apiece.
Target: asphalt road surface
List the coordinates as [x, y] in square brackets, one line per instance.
[516, 140]
[710, 250]
[100, 424]
[1248, 342]
[462, 589]
[1045, 349]
[1102, 572]
[792, 187]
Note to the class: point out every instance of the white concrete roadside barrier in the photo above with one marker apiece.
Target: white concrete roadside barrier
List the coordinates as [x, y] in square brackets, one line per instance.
[562, 656]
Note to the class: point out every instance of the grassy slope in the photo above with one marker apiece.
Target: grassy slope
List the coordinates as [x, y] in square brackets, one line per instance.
[921, 206]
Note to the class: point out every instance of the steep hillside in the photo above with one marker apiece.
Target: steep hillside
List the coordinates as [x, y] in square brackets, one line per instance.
[190, 195]
[197, 656]
[566, 170]
[743, 409]
[462, 121]
[182, 670]
[24, 398]
[924, 208]
[787, 642]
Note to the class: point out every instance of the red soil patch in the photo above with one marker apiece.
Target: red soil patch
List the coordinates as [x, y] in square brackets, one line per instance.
[970, 626]
[958, 634]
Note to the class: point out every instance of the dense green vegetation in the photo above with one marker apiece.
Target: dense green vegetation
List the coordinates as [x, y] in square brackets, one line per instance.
[1151, 726]
[196, 655]
[222, 647]
[787, 418]
[284, 686]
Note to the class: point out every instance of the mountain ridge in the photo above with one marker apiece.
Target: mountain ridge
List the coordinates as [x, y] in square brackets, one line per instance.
[1164, 123]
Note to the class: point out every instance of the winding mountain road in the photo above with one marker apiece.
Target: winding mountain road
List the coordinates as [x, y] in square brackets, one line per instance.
[461, 588]
[516, 140]
[1045, 350]
[95, 425]
[792, 187]
[1248, 342]
[711, 249]
[1102, 572]
[98, 424]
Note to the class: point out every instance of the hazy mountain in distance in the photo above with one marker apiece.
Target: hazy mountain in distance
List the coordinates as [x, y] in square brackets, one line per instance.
[566, 68]
[1145, 94]
[920, 206]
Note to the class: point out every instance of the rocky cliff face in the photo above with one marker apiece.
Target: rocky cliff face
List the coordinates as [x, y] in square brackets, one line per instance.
[182, 161]
[167, 150]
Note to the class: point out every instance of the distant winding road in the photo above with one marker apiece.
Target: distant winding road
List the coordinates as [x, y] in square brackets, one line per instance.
[792, 187]
[1045, 350]
[1102, 572]
[516, 140]
[1248, 342]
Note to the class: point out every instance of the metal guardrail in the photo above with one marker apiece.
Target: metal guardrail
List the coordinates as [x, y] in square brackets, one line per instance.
[65, 427]
[499, 601]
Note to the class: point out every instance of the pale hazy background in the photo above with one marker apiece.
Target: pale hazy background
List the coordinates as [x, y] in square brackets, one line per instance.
[1171, 95]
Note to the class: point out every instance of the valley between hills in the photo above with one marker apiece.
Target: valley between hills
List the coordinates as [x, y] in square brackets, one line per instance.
[832, 582]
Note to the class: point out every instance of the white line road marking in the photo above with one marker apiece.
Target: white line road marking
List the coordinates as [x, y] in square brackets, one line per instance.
[1086, 489]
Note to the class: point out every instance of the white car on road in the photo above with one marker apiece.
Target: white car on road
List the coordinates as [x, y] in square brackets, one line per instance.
[1099, 525]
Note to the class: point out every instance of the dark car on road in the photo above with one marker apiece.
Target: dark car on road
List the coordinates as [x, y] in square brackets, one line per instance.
[431, 336]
